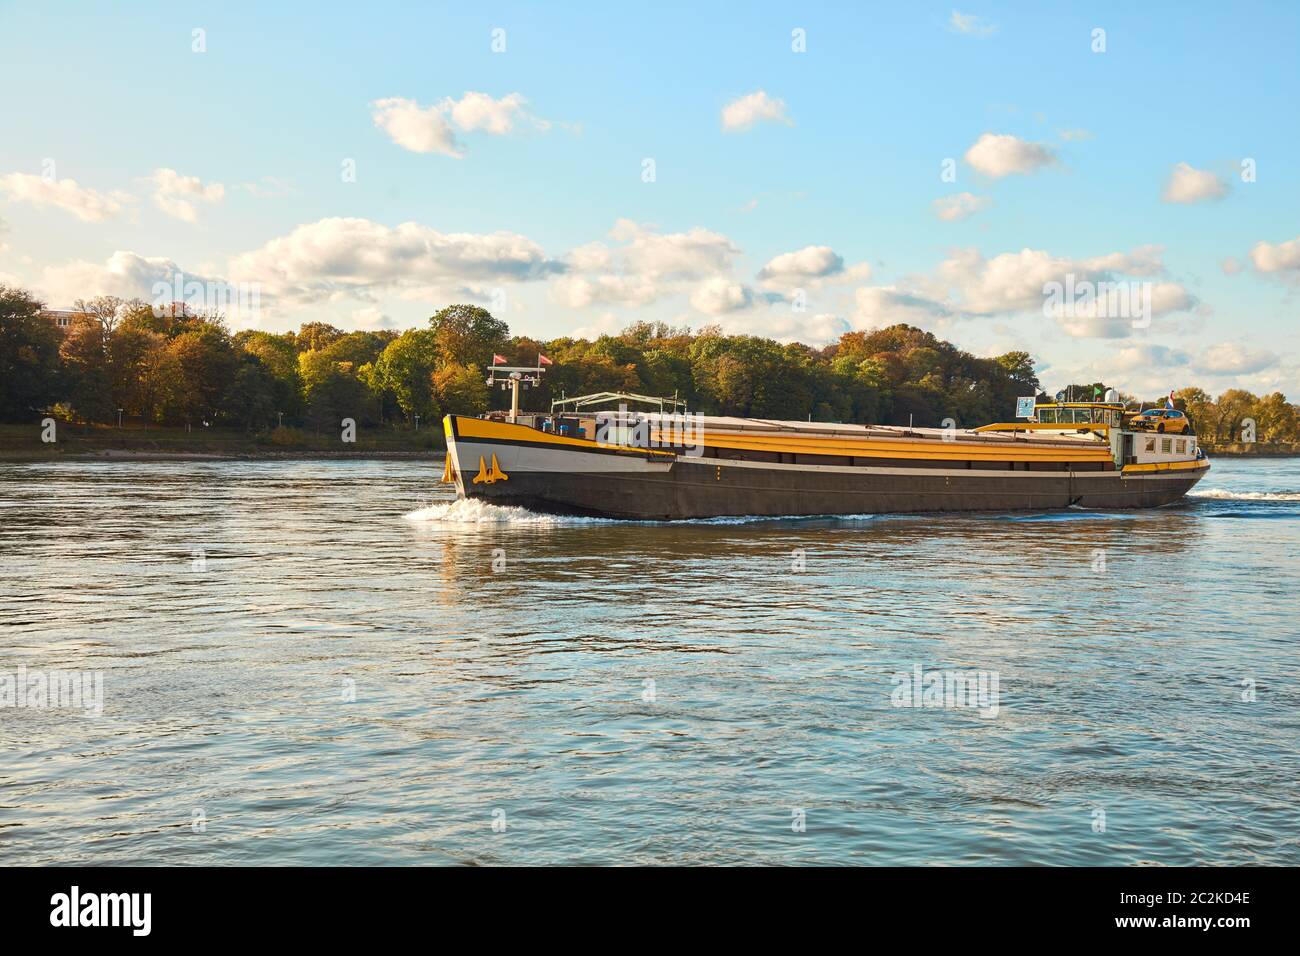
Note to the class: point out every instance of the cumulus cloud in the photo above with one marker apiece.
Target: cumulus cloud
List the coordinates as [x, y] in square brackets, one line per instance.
[810, 262]
[85, 203]
[1188, 185]
[960, 206]
[126, 275]
[968, 285]
[785, 325]
[971, 25]
[1000, 154]
[432, 129]
[372, 318]
[719, 296]
[1146, 356]
[879, 306]
[419, 129]
[176, 195]
[360, 258]
[1232, 358]
[741, 114]
[1282, 258]
[642, 265]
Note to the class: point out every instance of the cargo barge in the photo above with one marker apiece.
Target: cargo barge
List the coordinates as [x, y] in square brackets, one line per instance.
[666, 465]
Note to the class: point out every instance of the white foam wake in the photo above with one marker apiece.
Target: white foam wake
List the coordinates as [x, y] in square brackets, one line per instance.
[477, 511]
[1225, 495]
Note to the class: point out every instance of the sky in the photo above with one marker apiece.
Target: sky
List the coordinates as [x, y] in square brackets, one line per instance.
[792, 170]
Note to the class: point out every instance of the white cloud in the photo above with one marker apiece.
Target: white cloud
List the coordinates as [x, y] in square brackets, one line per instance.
[968, 285]
[478, 111]
[644, 265]
[743, 113]
[176, 195]
[360, 258]
[688, 254]
[1231, 358]
[1284, 257]
[810, 262]
[128, 275]
[971, 25]
[372, 319]
[1147, 356]
[419, 129]
[880, 306]
[83, 202]
[579, 292]
[785, 325]
[429, 129]
[1098, 319]
[719, 296]
[999, 155]
[960, 206]
[1188, 185]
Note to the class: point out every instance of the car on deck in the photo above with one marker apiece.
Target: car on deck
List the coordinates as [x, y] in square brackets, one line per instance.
[1161, 420]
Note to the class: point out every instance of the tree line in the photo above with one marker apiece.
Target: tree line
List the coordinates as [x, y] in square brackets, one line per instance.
[174, 366]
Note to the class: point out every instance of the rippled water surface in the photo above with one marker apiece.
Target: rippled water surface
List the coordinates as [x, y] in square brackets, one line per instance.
[626, 693]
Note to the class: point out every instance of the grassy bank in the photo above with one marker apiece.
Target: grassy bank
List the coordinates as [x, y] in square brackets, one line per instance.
[24, 442]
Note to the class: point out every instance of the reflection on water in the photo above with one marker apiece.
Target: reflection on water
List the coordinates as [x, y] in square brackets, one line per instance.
[336, 664]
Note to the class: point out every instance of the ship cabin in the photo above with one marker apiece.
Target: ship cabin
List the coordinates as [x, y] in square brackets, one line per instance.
[1132, 441]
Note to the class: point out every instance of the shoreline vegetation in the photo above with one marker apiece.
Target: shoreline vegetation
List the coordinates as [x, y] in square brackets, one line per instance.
[114, 377]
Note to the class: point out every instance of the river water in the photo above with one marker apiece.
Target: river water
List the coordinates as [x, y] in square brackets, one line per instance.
[329, 662]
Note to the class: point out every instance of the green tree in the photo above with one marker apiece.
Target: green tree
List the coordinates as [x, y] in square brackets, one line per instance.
[467, 335]
[30, 367]
[405, 369]
[460, 390]
[250, 399]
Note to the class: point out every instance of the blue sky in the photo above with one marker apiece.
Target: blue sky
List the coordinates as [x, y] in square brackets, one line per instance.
[129, 156]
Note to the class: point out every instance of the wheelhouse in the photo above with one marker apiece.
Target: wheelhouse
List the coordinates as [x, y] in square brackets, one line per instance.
[1079, 413]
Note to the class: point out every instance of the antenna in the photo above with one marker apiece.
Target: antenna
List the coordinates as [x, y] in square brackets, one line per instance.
[517, 376]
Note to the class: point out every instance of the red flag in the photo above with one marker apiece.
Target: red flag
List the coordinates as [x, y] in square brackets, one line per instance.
[543, 360]
[497, 359]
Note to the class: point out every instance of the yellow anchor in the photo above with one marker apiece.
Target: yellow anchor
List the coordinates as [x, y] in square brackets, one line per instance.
[489, 475]
[449, 472]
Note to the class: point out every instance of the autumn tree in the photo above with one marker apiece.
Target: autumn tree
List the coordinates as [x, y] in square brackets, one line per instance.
[89, 378]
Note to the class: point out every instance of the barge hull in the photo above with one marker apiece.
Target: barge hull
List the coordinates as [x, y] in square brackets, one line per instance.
[631, 485]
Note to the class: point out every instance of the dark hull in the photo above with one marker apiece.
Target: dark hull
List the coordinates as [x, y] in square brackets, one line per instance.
[705, 488]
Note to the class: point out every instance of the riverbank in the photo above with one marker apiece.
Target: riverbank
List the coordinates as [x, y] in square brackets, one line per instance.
[25, 443]
[1281, 449]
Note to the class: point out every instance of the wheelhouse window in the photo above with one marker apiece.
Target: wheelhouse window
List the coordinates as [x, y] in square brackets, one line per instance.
[1151, 444]
[1181, 446]
[1165, 445]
